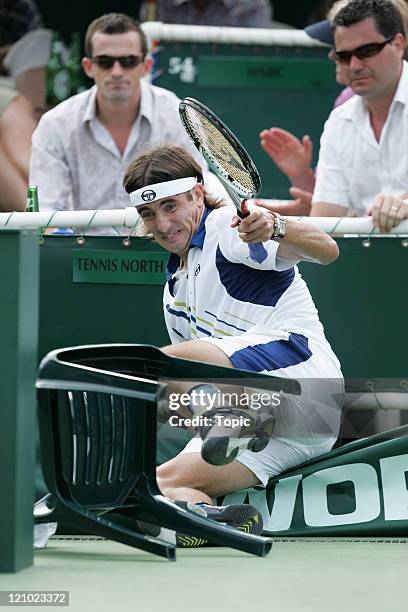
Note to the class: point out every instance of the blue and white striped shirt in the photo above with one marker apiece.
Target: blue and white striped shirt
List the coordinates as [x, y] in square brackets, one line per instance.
[225, 293]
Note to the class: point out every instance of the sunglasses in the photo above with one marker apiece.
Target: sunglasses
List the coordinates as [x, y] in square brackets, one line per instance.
[126, 61]
[362, 53]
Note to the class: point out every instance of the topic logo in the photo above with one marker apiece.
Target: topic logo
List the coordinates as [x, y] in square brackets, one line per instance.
[148, 195]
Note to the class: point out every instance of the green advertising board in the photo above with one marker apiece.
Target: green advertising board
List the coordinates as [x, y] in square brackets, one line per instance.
[237, 72]
[359, 489]
[118, 267]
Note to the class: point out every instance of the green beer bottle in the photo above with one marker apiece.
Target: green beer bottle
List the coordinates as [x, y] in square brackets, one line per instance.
[58, 78]
[76, 74]
[32, 199]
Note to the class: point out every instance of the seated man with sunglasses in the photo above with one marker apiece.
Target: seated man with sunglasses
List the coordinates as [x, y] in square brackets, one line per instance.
[363, 158]
[82, 146]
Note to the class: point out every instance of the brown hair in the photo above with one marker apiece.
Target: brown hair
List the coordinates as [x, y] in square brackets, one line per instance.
[162, 164]
[114, 23]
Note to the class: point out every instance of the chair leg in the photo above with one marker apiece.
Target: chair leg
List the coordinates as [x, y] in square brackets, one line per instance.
[45, 509]
[103, 526]
[162, 511]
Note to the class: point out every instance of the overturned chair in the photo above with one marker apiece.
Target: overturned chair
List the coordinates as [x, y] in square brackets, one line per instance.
[98, 427]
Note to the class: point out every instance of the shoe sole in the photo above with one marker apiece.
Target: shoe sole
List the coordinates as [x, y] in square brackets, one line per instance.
[239, 516]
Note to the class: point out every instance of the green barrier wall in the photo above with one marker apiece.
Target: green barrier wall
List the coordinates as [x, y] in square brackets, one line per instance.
[252, 88]
[361, 299]
[19, 267]
[74, 313]
[362, 302]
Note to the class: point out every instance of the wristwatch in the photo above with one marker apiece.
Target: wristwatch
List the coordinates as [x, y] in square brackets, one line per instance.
[279, 227]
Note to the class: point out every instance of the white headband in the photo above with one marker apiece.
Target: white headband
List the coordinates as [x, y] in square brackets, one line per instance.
[151, 193]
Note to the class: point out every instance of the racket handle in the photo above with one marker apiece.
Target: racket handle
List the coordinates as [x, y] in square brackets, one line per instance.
[257, 251]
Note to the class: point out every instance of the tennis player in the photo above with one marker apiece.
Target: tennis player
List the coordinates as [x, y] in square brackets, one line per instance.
[224, 308]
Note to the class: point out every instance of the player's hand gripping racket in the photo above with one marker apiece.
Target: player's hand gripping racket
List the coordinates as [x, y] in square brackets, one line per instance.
[225, 156]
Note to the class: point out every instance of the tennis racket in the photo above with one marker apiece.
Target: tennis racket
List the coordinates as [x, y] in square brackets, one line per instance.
[225, 156]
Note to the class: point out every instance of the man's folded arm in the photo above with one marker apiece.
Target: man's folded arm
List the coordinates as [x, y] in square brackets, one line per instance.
[325, 209]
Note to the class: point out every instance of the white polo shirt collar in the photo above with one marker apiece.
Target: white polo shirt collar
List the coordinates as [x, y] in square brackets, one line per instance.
[146, 104]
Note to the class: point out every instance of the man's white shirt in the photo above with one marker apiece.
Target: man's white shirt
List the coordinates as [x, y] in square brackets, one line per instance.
[75, 162]
[353, 167]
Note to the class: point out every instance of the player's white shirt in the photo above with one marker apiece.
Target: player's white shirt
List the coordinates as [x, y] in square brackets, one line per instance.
[263, 317]
[224, 294]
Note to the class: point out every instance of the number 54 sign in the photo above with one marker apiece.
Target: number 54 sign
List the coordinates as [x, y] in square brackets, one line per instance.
[184, 67]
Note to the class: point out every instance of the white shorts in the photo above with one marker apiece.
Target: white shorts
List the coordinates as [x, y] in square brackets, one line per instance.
[306, 425]
[277, 457]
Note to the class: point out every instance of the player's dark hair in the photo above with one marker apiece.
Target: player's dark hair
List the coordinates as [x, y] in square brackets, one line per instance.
[114, 23]
[162, 164]
[386, 15]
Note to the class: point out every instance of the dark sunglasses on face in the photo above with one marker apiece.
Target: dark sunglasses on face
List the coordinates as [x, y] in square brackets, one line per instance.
[362, 53]
[126, 61]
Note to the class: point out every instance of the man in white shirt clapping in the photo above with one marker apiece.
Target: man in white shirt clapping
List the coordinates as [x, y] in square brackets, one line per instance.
[363, 157]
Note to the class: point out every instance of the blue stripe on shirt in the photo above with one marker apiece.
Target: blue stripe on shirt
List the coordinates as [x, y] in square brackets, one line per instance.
[177, 333]
[262, 287]
[273, 355]
[177, 313]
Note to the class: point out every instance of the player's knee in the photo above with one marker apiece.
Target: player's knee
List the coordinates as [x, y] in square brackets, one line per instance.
[170, 482]
[181, 473]
[173, 474]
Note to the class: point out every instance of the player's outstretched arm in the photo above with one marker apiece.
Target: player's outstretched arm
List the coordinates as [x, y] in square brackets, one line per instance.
[306, 242]
[302, 242]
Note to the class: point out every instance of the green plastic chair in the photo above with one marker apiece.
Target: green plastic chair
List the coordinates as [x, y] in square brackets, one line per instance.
[98, 425]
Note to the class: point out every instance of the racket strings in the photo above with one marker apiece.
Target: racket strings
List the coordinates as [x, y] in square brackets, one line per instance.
[220, 149]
